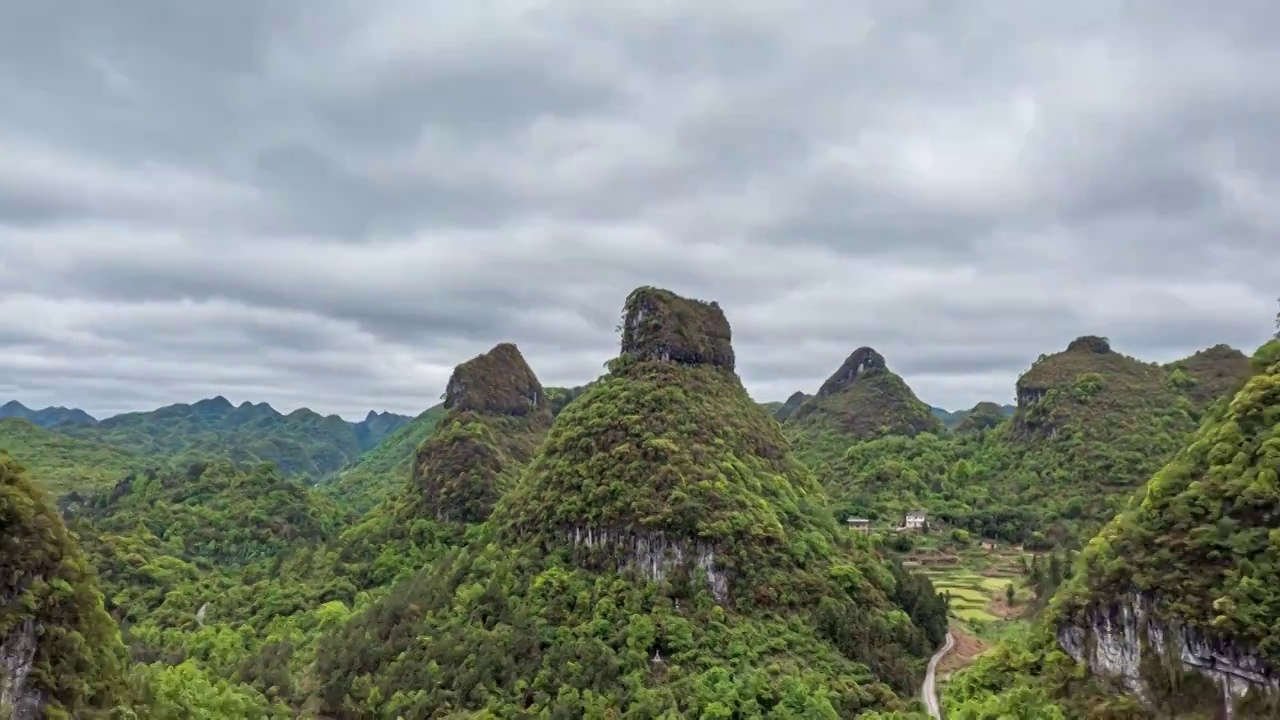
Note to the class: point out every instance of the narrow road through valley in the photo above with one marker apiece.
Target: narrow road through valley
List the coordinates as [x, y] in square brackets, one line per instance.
[928, 691]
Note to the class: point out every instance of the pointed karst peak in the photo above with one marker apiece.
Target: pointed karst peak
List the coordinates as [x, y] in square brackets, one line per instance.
[498, 382]
[861, 361]
[660, 325]
[1090, 343]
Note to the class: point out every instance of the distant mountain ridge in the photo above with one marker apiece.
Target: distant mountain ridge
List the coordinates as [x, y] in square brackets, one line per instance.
[300, 442]
[46, 417]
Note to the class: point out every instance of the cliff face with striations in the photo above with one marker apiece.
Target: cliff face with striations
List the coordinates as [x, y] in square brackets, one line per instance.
[1165, 664]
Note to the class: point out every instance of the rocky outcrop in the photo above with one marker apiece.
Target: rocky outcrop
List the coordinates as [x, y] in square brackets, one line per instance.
[1128, 643]
[17, 656]
[1090, 343]
[654, 555]
[660, 325]
[498, 382]
[861, 361]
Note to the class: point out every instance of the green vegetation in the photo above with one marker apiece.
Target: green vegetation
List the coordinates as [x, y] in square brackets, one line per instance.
[652, 544]
[382, 469]
[988, 411]
[1092, 425]
[983, 416]
[1199, 541]
[49, 602]
[64, 464]
[788, 408]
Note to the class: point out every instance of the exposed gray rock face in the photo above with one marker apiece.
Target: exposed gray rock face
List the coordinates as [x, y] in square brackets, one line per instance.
[654, 555]
[17, 654]
[1114, 641]
[1029, 396]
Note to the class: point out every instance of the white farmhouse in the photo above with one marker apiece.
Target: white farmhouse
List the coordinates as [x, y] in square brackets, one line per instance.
[915, 520]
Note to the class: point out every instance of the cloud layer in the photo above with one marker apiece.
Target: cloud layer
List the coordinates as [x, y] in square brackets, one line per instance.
[332, 203]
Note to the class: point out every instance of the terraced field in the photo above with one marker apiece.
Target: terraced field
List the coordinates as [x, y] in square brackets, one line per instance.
[976, 582]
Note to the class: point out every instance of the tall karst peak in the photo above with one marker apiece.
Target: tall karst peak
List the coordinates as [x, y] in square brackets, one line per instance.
[864, 399]
[660, 325]
[496, 415]
[498, 382]
[660, 494]
[859, 362]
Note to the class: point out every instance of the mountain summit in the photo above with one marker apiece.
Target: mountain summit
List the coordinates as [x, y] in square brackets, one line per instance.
[864, 399]
[496, 414]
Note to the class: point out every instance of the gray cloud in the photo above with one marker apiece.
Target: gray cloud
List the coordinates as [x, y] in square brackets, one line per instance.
[331, 203]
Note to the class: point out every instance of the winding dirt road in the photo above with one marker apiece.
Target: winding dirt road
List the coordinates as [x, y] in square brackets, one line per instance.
[928, 691]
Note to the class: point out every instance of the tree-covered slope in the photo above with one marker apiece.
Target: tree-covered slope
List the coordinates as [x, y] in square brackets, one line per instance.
[862, 400]
[60, 653]
[1210, 375]
[663, 555]
[61, 463]
[383, 468]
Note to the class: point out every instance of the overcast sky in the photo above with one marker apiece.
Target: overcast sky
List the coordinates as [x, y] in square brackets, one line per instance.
[331, 204]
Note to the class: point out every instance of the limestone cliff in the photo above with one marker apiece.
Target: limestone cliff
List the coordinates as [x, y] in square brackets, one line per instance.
[1171, 666]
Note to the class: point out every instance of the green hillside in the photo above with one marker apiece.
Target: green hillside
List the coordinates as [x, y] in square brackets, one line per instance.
[1195, 558]
[51, 615]
[63, 464]
[1090, 427]
[46, 417]
[383, 468]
